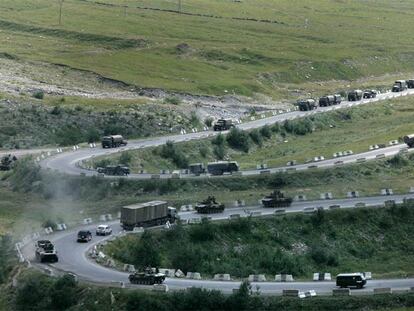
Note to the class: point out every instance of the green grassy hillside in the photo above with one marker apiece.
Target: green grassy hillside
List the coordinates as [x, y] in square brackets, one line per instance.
[298, 41]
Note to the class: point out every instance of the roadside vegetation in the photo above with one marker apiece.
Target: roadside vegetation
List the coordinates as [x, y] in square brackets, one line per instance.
[65, 121]
[300, 140]
[295, 44]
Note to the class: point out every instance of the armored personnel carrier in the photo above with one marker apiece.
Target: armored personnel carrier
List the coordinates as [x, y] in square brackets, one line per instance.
[149, 276]
[114, 170]
[276, 199]
[209, 206]
[6, 162]
[45, 251]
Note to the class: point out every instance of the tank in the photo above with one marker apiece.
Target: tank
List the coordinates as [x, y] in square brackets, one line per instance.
[276, 199]
[209, 206]
[149, 276]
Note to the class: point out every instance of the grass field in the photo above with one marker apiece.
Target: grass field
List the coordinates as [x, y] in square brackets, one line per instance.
[309, 41]
[334, 131]
[298, 245]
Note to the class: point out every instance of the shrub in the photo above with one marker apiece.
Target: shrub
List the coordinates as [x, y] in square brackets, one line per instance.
[170, 151]
[266, 132]
[39, 94]
[125, 158]
[219, 151]
[238, 139]
[208, 121]
[256, 137]
[172, 100]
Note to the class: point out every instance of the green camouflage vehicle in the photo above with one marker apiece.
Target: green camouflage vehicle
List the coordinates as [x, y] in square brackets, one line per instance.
[209, 206]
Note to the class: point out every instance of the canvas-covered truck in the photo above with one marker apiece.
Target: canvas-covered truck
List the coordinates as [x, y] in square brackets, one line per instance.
[306, 104]
[223, 125]
[409, 140]
[154, 213]
[45, 251]
[325, 101]
[355, 95]
[221, 167]
[113, 141]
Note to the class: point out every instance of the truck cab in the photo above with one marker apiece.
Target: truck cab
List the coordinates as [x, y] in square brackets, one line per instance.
[223, 125]
[197, 168]
[355, 95]
[306, 104]
[410, 84]
[399, 86]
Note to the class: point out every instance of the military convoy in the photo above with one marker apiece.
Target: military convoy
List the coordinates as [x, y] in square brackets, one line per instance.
[113, 141]
[223, 125]
[306, 104]
[276, 199]
[209, 206]
[114, 170]
[149, 276]
[330, 100]
[7, 162]
[409, 140]
[45, 251]
[154, 213]
[355, 95]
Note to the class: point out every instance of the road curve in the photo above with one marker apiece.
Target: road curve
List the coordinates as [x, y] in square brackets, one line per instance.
[68, 163]
[73, 256]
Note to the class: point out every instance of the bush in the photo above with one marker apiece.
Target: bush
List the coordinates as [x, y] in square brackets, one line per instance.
[219, 151]
[39, 94]
[172, 100]
[125, 158]
[208, 122]
[256, 137]
[266, 132]
[170, 151]
[238, 139]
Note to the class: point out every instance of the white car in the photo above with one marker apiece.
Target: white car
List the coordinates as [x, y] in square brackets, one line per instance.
[103, 230]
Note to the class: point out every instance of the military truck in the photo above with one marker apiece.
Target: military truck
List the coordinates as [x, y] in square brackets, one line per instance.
[306, 104]
[223, 125]
[45, 251]
[327, 100]
[410, 84]
[221, 167]
[409, 140]
[399, 86]
[149, 276]
[355, 95]
[338, 99]
[276, 199]
[113, 141]
[370, 94]
[209, 206]
[197, 169]
[114, 170]
[6, 162]
[154, 213]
